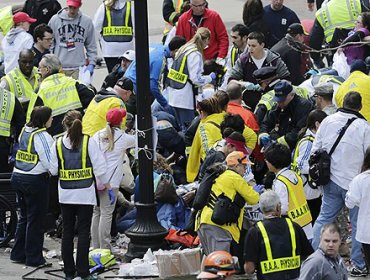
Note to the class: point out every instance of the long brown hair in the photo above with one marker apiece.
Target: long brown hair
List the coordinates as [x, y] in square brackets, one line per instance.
[72, 123]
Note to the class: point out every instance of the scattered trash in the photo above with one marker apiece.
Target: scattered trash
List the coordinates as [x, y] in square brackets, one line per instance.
[51, 254]
[8, 250]
[140, 267]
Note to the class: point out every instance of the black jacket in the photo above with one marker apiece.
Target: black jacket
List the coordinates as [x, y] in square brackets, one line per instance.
[287, 122]
[42, 10]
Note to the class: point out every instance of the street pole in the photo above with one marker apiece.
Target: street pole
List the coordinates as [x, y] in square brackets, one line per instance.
[146, 232]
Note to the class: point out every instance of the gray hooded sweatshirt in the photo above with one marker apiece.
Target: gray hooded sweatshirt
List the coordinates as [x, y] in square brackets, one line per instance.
[78, 33]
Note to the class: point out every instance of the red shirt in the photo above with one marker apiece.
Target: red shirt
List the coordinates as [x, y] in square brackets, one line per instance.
[248, 117]
[219, 42]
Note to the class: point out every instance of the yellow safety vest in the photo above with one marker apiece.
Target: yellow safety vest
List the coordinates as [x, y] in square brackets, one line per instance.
[280, 264]
[75, 168]
[298, 209]
[117, 25]
[294, 165]
[179, 73]
[6, 19]
[7, 101]
[338, 14]
[27, 158]
[177, 4]
[59, 93]
[19, 85]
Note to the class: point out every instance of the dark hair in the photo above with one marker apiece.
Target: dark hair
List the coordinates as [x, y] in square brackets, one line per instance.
[366, 163]
[209, 105]
[252, 9]
[237, 136]
[235, 122]
[352, 100]
[257, 36]
[40, 30]
[39, 116]
[176, 43]
[241, 29]
[72, 123]
[365, 19]
[314, 116]
[332, 227]
[278, 155]
[223, 98]
[234, 90]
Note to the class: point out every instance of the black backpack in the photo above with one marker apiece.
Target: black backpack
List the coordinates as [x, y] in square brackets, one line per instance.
[319, 162]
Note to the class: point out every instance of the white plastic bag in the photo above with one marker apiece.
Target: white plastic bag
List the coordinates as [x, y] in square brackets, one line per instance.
[340, 64]
[84, 76]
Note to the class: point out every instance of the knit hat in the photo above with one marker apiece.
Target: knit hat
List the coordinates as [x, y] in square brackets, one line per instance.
[115, 116]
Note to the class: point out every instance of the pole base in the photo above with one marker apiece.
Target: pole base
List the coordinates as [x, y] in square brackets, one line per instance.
[145, 233]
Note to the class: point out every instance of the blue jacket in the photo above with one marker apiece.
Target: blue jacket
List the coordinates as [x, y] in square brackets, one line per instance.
[156, 64]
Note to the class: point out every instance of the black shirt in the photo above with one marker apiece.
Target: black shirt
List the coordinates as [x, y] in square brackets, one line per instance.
[279, 236]
[38, 56]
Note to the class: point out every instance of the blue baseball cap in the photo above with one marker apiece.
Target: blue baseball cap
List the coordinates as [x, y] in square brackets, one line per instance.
[282, 89]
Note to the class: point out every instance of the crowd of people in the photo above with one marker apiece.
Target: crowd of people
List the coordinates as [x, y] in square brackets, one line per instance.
[240, 124]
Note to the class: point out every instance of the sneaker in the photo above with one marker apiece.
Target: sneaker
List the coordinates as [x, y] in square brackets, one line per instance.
[357, 272]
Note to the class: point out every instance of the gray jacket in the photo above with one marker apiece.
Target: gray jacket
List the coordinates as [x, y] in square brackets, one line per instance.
[318, 266]
[79, 30]
[245, 66]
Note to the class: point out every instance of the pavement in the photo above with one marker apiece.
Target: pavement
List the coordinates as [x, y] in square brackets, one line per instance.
[231, 13]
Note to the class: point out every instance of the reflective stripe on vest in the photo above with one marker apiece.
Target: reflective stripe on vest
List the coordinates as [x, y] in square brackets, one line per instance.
[117, 25]
[338, 14]
[179, 73]
[298, 209]
[294, 165]
[316, 80]
[6, 19]
[7, 101]
[280, 264]
[59, 93]
[75, 169]
[19, 85]
[234, 56]
[177, 4]
[27, 158]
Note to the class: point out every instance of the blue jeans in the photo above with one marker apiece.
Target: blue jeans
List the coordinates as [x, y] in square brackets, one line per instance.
[33, 197]
[184, 117]
[332, 203]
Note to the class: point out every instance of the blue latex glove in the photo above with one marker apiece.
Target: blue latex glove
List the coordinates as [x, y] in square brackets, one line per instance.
[259, 188]
[112, 196]
[311, 72]
[96, 259]
[265, 140]
[90, 68]
[213, 76]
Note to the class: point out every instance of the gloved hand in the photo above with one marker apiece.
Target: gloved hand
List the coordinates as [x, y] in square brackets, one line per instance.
[220, 61]
[112, 196]
[259, 188]
[99, 266]
[251, 86]
[213, 76]
[265, 139]
[90, 68]
[96, 259]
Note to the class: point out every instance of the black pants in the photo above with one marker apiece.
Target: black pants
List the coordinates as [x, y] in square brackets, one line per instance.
[4, 155]
[33, 196]
[111, 62]
[83, 213]
[366, 249]
[315, 206]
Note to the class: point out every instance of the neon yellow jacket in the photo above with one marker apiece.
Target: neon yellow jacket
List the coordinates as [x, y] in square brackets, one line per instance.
[360, 82]
[230, 183]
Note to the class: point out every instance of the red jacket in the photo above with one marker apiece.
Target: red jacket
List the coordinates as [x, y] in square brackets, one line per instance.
[248, 116]
[219, 43]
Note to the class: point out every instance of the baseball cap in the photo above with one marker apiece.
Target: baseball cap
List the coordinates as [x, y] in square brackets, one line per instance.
[115, 116]
[296, 28]
[236, 157]
[125, 83]
[324, 89]
[282, 89]
[239, 145]
[74, 3]
[358, 65]
[129, 55]
[264, 73]
[23, 17]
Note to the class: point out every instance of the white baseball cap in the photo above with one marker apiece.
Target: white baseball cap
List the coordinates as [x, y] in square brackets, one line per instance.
[129, 55]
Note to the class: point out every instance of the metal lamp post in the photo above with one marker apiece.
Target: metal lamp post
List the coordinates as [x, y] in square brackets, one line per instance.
[146, 232]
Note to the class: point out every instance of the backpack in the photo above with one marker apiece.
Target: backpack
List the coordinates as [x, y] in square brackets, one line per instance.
[319, 161]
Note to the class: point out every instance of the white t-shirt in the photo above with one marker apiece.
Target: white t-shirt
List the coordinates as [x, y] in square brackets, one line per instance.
[259, 62]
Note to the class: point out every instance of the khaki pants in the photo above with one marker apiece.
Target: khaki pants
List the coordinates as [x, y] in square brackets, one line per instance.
[74, 73]
[102, 221]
